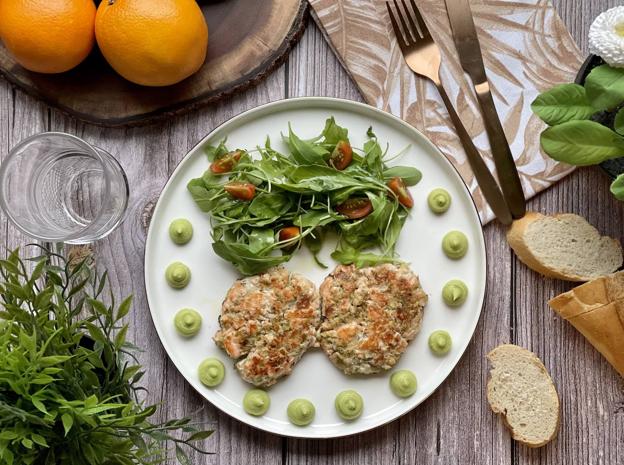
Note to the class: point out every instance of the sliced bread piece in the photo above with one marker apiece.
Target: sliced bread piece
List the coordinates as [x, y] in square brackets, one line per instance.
[564, 246]
[521, 390]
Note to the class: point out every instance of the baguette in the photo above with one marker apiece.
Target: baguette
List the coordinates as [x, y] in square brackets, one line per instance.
[596, 310]
[521, 390]
[564, 246]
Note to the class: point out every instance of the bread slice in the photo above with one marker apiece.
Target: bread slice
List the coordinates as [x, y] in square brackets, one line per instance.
[564, 246]
[521, 390]
[596, 310]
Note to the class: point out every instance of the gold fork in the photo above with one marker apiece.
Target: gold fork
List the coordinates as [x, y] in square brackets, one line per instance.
[422, 56]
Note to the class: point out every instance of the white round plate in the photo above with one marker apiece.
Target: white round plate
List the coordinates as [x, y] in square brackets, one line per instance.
[314, 377]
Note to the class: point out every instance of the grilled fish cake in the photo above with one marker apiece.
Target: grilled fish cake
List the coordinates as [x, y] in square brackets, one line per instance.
[369, 316]
[267, 322]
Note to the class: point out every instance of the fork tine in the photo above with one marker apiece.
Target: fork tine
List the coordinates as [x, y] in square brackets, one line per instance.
[410, 19]
[408, 37]
[421, 22]
[397, 29]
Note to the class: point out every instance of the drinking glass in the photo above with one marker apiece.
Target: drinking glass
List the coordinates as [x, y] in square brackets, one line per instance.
[56, 187]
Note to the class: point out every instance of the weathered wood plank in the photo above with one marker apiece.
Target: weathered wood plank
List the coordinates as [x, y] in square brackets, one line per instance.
[592, 395]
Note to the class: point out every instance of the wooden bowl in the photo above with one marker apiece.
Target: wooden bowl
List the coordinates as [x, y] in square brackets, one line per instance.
[247, 40]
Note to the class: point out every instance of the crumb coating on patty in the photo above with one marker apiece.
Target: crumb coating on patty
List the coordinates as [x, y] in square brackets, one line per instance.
[369, 316]
[267, 323]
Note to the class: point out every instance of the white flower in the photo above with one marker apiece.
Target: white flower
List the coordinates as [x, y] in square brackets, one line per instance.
[606, 36]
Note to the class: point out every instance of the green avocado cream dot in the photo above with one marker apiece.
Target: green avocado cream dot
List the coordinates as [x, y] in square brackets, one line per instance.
[256, 402]
[187, 322]
[439, 201]
[181, 231]
[349, 405]
[403, 383]
[211, 372]
[178, 275]
[301, 412]
[455, 293]
[440, 342]
[455, 245]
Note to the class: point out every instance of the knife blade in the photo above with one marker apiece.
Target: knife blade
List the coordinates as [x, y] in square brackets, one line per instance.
[469, 51]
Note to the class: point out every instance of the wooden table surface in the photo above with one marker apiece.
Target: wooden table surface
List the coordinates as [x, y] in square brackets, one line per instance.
[455, 425]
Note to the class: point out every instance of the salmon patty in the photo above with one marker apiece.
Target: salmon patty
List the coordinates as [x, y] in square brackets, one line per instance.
[369, 316]
[267, 323]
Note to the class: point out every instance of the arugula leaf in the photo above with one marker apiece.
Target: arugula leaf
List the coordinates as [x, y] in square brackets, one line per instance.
[372, 156]
[582, 143]
[304, 152]
[411, 176]
[332, 133]
[214, 152]
[617, 187]
[605, 87]
[562, 103]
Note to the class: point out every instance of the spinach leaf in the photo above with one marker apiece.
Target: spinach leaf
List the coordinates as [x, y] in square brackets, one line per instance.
[411, 176]
[303, 152]
[261, 239]
[314, 243]
[269, 205]
[582, 143]
[563, 103]
[314, 218]
[203, 197]
[332, 133]
[348, 256]
[618, 123]
[605, 87]
[244, 259]
[617, 187]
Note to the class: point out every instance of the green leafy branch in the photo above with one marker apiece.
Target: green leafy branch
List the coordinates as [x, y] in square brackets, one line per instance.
[69, 389]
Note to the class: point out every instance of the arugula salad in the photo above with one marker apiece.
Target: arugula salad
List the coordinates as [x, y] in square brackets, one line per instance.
[265, 205]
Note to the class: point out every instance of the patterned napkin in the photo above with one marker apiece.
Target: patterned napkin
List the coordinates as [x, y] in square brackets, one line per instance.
[526, 49]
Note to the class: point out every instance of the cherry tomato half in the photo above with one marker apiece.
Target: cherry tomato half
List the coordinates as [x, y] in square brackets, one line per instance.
[225, 162]
[397, 186]
[288, 233]
[240, 190]
[341, 156]
[355, 208]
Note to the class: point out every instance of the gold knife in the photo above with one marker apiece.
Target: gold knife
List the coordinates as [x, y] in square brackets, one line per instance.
[469, 51]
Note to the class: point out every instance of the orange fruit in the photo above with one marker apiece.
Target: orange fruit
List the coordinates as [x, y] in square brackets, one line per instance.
[152, 42]
[47, 36]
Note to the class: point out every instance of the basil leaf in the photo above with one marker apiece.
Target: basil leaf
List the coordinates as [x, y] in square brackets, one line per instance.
[618, 124]
[411, 176]
[332, 133]
[582, 143]
[303, 152]
[605, 87]
[563, 103]
[617, 187]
